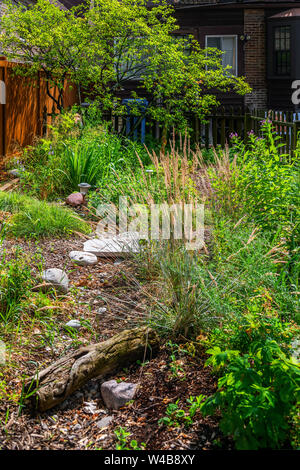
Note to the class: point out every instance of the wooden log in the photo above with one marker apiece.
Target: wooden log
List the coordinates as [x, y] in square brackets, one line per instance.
[54, 384]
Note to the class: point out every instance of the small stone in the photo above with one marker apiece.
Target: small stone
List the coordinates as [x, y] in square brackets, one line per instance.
[77, 427]
[57, 278]
[104, 422]
[75, 324]
[102, 310]
[91, 408]
[44, 426]
[116, 394]
[83, 258]
[2, 353]
[75, 199]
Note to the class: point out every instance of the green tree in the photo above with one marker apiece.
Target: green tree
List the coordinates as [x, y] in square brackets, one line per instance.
[105, 44]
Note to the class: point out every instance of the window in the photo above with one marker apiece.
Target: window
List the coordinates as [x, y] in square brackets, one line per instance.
[282, 49]
[228, 45]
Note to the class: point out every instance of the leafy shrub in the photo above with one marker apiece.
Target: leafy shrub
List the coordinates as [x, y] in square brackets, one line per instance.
[257, 394]
[76, 150]
[260, 183]
[33, 218]
[259, 324]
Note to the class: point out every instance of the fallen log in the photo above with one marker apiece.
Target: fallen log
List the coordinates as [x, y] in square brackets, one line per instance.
[54, 384]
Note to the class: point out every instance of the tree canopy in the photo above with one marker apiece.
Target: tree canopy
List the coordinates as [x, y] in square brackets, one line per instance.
[104, 45]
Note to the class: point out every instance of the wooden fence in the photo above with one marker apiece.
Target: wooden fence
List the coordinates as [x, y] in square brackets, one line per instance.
[22, 115]
[223, 122]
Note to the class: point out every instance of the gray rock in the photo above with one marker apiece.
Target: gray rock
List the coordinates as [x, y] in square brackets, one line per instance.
[91, 408]
[75, 199]
[2, 353]
[104, 422]
[102, 310]
[83, 258]
[73, 324]
[116, 394]
[120, 245]
[77, 427]
[57, 278]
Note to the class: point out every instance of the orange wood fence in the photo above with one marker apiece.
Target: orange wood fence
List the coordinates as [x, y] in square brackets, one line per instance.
[21, 117]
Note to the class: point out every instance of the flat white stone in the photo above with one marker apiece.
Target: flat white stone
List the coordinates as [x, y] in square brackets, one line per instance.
[115, 246]
[83, 258]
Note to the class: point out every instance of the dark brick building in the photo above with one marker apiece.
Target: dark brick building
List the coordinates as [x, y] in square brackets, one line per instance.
[261, 40]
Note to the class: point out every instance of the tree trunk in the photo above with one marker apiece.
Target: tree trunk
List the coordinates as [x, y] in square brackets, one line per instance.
[54, 384]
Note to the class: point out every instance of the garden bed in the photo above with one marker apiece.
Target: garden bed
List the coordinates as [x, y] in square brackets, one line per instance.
[70, 426]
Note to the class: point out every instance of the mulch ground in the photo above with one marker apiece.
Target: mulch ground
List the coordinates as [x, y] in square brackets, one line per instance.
[75, 423]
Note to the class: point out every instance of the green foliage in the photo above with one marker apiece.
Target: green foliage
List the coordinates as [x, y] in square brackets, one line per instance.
[104, 44]
[15, 284]
[177, 417]
[256, 395]
[239, 277]
[257, 326]
[261, 183]
[32, 218]
[73, 154]
[153, 178]
[122, 441]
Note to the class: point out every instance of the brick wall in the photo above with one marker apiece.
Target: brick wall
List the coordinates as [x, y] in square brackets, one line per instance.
[255, 57]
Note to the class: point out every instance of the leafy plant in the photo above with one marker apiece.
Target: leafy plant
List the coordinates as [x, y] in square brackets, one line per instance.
[176, 416]
[122, 441]
[256, 395]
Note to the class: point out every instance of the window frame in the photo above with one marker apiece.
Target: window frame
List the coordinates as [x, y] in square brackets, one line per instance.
[273, 39]
[235, 36]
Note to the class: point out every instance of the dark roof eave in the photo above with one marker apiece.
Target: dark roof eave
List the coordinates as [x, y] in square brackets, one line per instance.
[239, 5]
